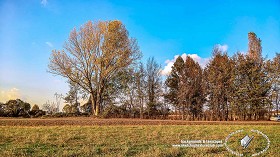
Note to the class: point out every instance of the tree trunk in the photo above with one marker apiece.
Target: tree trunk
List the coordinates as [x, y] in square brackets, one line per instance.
[93, 103]
[98, 103]
[277, 104]
[183, 114]
[141, 108]
[96, 113]
[99, 99]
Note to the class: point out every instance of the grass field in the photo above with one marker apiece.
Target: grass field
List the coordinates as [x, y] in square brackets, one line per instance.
[126, 140]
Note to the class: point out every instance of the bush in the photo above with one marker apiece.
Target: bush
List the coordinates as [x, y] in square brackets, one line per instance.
[36, 113]
[59, 114]
[111, 111]
[114, 111]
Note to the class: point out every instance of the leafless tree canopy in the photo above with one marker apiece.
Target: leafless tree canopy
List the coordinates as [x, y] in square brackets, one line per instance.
[93, 54]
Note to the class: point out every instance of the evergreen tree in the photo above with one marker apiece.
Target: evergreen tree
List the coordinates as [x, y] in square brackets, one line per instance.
[193, 87]
[186, 87]
[218, 76]
[252, 82]
[172, 83]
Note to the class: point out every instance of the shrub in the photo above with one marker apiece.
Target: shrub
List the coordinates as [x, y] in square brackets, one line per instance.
[35, 108]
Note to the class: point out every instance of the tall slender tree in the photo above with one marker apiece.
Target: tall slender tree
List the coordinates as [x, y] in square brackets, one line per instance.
[153, 85]
[140, 80]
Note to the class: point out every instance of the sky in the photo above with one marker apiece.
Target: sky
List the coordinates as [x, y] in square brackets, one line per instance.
[31, 29]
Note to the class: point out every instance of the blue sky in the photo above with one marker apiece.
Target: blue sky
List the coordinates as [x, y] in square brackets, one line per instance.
[31, 29]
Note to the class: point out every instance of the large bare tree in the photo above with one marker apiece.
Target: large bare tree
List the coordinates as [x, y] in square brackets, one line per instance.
[93, 55]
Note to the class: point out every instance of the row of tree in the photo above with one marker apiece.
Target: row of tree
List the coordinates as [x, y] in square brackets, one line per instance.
[242, 87]
[102, 65]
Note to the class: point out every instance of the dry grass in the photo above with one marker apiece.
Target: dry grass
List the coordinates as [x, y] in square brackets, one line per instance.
[118, 140]
[89, 121]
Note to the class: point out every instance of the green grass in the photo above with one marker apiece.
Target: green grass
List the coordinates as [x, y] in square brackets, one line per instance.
[125, 140]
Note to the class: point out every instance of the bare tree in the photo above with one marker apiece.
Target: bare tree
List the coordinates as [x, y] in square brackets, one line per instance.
[153, 86]
[140, 87]
[93, 55]
[58, 98]
[49, 107]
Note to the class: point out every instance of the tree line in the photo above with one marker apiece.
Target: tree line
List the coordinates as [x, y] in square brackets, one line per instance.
[102, 65]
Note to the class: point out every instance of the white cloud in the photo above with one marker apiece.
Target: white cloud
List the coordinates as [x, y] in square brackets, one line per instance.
[13, 93]
[222, 48]
[44, 2]
[167, 69]
[169, 63]
[49, 44]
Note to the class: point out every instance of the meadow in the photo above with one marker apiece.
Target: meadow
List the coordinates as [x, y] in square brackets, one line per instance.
[127, 140]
